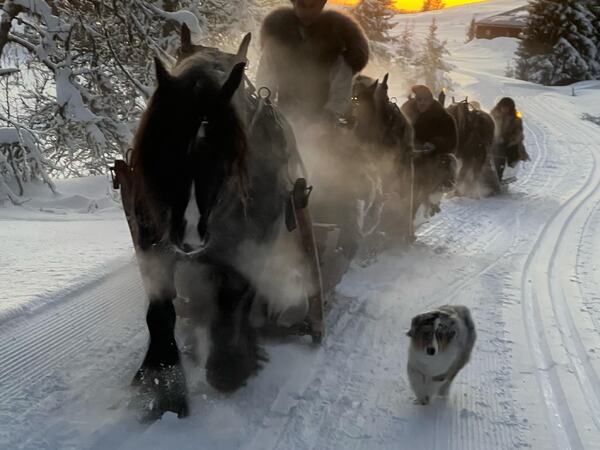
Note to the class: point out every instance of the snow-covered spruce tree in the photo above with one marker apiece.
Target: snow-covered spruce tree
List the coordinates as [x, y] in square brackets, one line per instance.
[560, 44]
[594, 7]
[405, 55]
[431, 5]
[431, 67]
[406, 45]
[375, 18]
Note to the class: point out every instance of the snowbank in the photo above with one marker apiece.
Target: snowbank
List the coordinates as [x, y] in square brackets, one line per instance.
[56, 243]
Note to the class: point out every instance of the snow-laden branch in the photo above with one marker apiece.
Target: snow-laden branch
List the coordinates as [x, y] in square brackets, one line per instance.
[9, 12]
[8, 71]
[90, 69]
[180, 17]
[143, 89]
[31, 163]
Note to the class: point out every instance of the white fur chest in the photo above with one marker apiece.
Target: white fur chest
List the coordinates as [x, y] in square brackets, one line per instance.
[435, 365]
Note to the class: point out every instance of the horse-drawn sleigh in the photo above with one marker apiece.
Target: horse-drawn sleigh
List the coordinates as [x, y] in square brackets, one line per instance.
[216, 184]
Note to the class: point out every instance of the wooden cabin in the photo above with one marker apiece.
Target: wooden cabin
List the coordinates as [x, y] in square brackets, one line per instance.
[508, 24]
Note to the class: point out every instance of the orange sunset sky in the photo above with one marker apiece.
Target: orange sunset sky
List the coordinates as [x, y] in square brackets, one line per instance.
[410, 5]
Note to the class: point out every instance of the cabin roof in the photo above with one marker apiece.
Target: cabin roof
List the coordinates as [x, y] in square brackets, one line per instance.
[515, 18]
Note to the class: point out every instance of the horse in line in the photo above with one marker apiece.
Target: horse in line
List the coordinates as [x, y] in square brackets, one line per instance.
[209, 185]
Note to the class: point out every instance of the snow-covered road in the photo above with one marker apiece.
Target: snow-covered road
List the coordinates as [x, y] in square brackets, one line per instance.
[525, 262]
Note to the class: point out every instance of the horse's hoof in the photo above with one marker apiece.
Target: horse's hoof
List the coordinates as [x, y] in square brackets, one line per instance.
[227, 370]
[160, 391]
[317, 338]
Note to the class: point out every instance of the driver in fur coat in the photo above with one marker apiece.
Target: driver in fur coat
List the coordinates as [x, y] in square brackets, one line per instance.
[309, 57]
[435, 129]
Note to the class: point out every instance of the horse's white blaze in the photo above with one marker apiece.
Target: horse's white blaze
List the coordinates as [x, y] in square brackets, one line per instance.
[192, 217]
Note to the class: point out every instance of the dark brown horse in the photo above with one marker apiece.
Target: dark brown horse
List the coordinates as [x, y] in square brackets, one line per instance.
[411, 179]
[475, 140]
[210, 181]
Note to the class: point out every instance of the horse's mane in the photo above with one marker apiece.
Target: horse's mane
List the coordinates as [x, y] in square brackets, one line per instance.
[168, 129]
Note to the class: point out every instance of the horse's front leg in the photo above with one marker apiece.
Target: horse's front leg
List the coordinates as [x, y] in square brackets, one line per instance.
[160, 378]
[235, 354]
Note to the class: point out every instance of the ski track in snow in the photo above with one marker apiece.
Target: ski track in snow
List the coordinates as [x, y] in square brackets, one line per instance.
[544, 291]
[525, 262]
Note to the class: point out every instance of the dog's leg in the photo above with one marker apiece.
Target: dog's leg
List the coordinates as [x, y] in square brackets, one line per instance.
[421, 386]
[160, 378]
[235, 354]
[445, 387]
[451, 374]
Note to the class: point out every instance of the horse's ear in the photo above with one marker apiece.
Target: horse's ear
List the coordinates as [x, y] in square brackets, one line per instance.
[163, 77]
[233, 82]
[242, 52]
[442, 97]
[373, 88]
[384, 83]
[186, 39]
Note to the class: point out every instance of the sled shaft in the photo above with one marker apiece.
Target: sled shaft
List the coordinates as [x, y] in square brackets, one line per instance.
[309, 247]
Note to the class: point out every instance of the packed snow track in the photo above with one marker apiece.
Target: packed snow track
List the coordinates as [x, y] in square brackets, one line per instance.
[524, 262]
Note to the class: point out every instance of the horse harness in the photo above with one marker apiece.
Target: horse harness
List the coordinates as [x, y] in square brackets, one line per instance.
[470, 119]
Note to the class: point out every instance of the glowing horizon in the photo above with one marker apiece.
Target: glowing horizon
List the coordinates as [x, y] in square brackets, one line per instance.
[410, 5]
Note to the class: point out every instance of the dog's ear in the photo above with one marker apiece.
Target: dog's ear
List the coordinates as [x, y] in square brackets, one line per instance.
[421, 320]
[414, 324]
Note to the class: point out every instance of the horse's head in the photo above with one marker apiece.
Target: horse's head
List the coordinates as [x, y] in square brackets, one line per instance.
[363, 98]
[190, 148]
[370, 100]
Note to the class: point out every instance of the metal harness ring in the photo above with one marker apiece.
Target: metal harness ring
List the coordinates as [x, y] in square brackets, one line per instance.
[264, 93]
